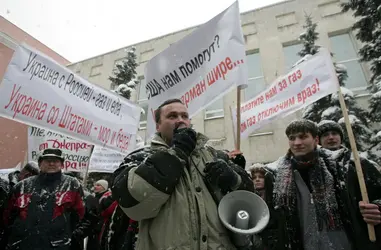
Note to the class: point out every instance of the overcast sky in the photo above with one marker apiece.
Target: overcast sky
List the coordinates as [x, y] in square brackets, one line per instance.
[79, 29]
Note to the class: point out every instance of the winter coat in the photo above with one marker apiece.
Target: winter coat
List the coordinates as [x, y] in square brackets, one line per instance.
[285, 232]
[350, 194]
[44, 212]
[172, 203]
[4, 192]
[122, 232]
[107, 207]
[92, 217]
[259, 240]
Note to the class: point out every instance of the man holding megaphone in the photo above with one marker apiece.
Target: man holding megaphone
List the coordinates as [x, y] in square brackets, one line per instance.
[170, 187]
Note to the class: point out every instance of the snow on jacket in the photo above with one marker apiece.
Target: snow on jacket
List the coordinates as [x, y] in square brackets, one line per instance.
[280, 236]
[172, 203]
[44, 212]
[122, 232]
[107, 208]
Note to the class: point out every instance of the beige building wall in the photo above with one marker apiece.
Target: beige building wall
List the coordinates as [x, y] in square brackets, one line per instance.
[267, 31]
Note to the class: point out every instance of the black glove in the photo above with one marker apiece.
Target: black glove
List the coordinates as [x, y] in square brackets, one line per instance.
[220, 174]
[184, 141]
[240, 161]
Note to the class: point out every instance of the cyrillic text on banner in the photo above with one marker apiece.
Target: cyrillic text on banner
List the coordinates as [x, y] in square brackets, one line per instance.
[76, 153]
[38, 91]
[200, 68]
[306, 83]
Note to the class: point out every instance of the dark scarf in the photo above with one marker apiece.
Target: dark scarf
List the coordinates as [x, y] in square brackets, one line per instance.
[50, 178]
[321, 183]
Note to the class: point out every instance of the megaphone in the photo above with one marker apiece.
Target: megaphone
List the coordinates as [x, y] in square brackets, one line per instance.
[244, 213]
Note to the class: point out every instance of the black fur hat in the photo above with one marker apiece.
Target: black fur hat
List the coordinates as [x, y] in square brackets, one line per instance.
[328, 125]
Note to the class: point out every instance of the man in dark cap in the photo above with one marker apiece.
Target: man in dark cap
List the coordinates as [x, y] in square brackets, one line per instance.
[44, 211]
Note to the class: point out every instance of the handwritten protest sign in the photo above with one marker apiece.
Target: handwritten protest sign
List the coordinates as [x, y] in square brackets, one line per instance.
[104, 160]
[38, 91]
[201, 67]
[76, 153]
[306, 83]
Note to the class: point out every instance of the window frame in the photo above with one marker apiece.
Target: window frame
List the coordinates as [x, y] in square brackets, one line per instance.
[353, 42]
[262, 76]
[219, 113]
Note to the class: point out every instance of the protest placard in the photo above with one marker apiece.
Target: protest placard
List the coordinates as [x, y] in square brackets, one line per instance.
[76, 153]
[38, 91]
[200, 68]
[5, 172]
[306, 83]
[104, 160]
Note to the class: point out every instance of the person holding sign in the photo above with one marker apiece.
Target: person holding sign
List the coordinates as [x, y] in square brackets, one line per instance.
[315, 200]
[330, 137]
[169, 187]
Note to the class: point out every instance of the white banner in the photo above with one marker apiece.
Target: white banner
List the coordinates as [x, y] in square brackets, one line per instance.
[5, 172]
[306, 83]
[104, 160]
[38, 91]
[200, 68]
[76, 153]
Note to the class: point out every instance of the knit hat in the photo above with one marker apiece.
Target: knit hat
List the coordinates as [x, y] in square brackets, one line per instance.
[103, 183]
[328, 125]
[32, 167]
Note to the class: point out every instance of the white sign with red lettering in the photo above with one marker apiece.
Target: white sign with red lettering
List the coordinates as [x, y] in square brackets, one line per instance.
[306, 83]
[38, 91]
[76, 153]
[200, 68]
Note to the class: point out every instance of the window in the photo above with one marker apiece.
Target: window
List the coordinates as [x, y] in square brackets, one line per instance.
[256, 81]
[143, 103]
[344, 53]
[291, 55]
[215, 110]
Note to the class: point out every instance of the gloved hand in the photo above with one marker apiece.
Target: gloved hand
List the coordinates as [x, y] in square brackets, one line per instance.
[240, 161]
[220, 174]
[237, 157]
[184, 142]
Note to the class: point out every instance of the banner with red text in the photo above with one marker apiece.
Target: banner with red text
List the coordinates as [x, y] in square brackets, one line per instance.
[76, 153]
[306, 83]
[200, 68]
[38, 91]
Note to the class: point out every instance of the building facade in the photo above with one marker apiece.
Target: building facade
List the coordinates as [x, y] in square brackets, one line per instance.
[13, 135]
[271, 35]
